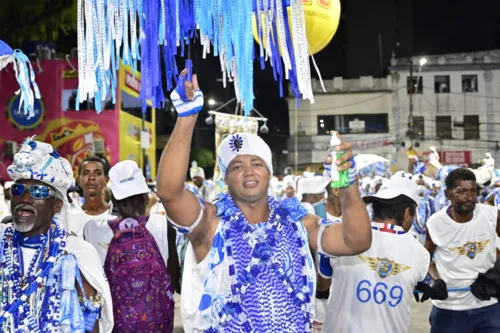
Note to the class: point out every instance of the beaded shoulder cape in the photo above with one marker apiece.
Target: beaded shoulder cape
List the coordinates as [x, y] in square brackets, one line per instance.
[45, 297]
[260, 277]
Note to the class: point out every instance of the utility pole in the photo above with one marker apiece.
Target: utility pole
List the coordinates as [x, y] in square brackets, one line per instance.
[143, 150]
[410, 116]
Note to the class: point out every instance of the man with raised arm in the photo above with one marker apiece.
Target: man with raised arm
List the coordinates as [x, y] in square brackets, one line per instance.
[248, 267]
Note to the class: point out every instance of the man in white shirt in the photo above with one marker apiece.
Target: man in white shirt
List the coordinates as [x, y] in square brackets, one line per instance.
[462, 239]
[371, 292]
[92, 178]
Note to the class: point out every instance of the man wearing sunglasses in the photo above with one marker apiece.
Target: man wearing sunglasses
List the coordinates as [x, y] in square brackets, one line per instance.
[44, 272]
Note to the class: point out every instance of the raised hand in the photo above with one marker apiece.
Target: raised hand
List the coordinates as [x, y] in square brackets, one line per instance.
[346, 161]
[187, 97]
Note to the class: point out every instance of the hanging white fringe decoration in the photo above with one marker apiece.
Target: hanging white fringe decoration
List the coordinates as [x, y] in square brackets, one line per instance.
[137, 30]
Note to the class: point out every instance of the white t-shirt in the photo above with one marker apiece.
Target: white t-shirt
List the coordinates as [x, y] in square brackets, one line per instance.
[77, 219]
[158, 208]
[463, 251]
[372, 291]
[99, 234]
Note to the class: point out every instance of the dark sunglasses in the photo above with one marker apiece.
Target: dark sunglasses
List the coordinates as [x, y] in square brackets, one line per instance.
[36, 191]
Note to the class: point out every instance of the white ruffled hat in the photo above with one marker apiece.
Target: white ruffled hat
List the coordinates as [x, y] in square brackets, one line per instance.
[39, 161]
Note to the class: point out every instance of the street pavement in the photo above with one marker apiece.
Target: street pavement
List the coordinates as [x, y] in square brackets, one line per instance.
[419, 317]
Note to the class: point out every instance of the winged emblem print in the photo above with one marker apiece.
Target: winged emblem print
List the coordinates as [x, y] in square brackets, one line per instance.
[471, 249]
[384, 266]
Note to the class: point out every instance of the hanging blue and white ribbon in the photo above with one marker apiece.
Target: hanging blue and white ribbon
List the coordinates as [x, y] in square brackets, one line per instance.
[24, 74]
[103, 38]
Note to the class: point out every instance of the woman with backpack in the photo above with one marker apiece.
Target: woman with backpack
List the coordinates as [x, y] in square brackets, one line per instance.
[136, 251]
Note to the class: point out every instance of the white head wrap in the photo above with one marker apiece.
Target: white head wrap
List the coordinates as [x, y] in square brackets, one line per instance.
[243, 144]
[289, 181]
[488, 155]
[39, 161]
[196, 171]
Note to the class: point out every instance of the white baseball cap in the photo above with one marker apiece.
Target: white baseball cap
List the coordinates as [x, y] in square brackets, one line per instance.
[312, 185]
[394, 188]
[127, 180]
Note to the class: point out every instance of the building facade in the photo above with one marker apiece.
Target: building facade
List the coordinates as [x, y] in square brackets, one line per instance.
[360, 109]
[451, 102]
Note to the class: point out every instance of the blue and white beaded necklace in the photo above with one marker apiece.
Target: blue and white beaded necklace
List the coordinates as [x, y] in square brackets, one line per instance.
[268, 243]
[30, 304]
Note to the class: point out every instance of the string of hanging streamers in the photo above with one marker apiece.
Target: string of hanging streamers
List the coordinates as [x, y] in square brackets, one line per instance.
[152, 31]
[25, 76]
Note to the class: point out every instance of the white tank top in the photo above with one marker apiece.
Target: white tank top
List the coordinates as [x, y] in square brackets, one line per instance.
[372, 292]
[463, 251]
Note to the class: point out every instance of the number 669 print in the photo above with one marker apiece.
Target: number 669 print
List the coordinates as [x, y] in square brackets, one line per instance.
[379, 293]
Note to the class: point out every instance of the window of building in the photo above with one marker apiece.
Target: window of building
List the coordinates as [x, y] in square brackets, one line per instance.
[411, 84]
[469, 83]
[353, 123]
[441, 84]
[418, 127]
[443, 127]
[471, 127]
[69, 100]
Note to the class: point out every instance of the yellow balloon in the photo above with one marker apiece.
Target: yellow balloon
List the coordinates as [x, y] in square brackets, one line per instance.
[322, 20]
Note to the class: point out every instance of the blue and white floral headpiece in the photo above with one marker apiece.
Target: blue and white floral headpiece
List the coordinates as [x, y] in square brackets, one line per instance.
[38, 160]
[24, 74]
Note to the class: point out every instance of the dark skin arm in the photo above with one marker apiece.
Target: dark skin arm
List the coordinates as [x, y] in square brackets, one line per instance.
[151, 203]
[89, 291]
[181, 204]
[323, 284]
[354, 235]
[431, 247]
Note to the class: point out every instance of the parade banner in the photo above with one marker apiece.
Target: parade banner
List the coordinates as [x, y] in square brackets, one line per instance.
[451, 157]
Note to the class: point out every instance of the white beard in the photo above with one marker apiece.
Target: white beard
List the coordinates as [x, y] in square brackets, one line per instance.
[23, 227]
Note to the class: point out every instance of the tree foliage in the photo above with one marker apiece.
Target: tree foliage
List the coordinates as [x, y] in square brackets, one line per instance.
[37, 20]
[204, 157]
